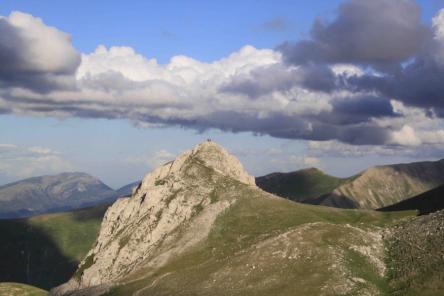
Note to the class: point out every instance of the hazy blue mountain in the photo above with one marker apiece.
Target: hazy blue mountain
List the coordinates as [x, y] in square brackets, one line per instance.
[127, 189]
[44, 194]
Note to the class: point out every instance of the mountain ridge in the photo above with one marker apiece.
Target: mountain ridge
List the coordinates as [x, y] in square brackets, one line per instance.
[381, 186]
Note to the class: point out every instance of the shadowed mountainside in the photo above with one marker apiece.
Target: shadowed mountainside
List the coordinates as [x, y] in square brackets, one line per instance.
[425, 203]
[301, 185]
[44, 251]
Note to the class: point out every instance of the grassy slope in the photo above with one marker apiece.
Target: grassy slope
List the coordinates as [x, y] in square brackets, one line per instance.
[44, 251]
[239, 257]
[16, 289]
[299, 185]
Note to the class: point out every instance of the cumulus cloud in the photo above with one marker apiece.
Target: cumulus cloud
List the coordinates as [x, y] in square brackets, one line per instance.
[34, 55]
[20, 161]
[235, 94]
[339, 85]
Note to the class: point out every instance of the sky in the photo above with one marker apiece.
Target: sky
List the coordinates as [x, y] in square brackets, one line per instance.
[116, 88]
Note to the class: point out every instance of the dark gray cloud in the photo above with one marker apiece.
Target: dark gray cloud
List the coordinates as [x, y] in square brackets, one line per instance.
[361, 109]
[282, 126]
[388, 36]
[377, 32]
[318, 78]
[278, 77]
[419, 84]
[262, 80]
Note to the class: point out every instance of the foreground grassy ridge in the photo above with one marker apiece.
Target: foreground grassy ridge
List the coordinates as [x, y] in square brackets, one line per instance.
[16, 289]
[300, 185]
[264, 245]
[44, 251]
[415, 256]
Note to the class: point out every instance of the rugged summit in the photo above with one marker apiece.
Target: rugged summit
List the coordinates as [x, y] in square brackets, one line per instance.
[382, 186]
[138, 231]
[46, 194]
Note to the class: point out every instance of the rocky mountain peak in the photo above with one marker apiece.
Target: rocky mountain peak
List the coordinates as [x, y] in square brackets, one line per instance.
[177, 202]
[218, 158]
[208, 154]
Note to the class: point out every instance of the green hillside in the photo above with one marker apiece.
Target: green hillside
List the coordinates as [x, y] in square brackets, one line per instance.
[44, 251]
[17, 289]
[264, 245]
[299, 185]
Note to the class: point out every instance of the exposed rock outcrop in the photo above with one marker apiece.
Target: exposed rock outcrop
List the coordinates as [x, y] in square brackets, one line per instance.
[172, 209]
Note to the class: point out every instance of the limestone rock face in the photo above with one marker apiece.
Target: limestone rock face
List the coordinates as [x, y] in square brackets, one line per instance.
[172, 209]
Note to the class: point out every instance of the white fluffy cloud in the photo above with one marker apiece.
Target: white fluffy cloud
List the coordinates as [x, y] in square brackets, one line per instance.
[35, 55]
[20, 161]
[249, 90]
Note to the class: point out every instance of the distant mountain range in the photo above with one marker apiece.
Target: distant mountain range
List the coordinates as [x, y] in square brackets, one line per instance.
[45, 194]
[374, 188]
